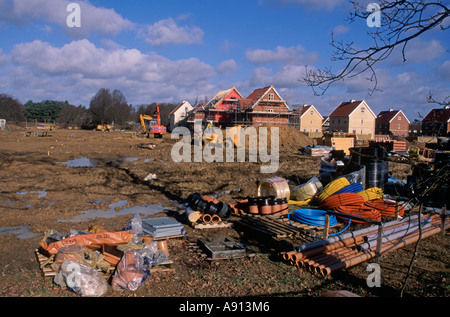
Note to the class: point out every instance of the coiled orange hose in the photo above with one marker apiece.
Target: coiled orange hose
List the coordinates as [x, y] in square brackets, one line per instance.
[343, 199]
[386, 208]
[360, 211]
[352, 204]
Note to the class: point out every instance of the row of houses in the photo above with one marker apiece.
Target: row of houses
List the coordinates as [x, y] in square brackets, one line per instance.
[265, 106]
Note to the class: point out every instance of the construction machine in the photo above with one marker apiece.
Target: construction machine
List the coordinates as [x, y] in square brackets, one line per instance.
[104, 127]
[155, 126]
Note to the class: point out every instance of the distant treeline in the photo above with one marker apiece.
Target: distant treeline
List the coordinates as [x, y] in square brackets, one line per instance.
[106, 107]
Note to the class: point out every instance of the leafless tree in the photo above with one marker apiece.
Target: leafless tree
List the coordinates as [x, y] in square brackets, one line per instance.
[445, 102]
[401, 22]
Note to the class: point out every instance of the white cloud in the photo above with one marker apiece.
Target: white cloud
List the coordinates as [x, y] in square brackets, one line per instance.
[293, 54]
[80, 68]
[227, 67]
[443, 71]
[418, 51]
[312, 5]
[287, 76]
[340, 29]
[167, 32]
[93, 19]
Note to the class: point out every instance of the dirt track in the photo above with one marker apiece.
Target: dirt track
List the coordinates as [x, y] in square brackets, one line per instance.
[39, 192]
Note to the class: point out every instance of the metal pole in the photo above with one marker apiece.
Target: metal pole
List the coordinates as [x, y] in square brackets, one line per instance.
[379, 242]
[444, 218]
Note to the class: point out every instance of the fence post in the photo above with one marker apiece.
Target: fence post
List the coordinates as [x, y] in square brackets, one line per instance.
[379, 242]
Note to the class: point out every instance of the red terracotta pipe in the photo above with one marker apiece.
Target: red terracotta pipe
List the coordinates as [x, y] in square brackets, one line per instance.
[215, 219]
[206, 218]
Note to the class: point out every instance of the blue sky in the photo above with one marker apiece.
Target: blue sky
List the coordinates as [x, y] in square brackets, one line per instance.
[175, 50]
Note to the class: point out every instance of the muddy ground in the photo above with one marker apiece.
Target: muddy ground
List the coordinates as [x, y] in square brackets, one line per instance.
[39, 192]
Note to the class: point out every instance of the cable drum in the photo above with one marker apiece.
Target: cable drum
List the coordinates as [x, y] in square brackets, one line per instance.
[377, 169]
[377, 174]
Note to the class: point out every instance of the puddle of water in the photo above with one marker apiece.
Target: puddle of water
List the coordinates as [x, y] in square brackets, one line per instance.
[130, 159]
[87, 162]
[111, 212]
[41, 193]
[21, 232]
[80, 162]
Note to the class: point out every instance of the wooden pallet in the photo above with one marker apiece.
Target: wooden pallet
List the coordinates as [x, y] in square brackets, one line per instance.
[280, 227]
[203, 225]
[45, 263]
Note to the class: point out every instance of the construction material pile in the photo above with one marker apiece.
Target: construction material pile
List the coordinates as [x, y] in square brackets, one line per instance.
[346, 250]
[95, 255]
[346, 198]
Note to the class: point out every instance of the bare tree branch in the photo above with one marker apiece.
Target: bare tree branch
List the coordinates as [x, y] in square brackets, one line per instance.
[445, 102]
[401, 22]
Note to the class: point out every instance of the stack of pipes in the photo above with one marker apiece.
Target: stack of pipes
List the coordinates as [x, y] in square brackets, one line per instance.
[347, 250]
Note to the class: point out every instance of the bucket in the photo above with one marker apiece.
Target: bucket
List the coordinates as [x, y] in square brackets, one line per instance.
[275, 186]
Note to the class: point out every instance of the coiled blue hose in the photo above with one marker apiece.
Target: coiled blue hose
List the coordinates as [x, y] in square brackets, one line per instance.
[313, 217]
[352, 188]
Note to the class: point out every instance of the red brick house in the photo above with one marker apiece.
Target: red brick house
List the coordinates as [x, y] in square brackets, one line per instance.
[437, 122]
[266, 106]
[392, 122]
[222, 110]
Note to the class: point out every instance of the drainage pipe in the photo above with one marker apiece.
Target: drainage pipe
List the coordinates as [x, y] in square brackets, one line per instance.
[295, 256]
[330, 259]
[206, 218]
[318, 269]
[399, 228]
[348, 235]
[394, 235]
[215, 219]
[371, 253]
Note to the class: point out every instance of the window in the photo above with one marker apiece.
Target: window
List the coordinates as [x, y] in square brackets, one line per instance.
[362, 121]
[399, 118]
[312, 112]
[363, 110]
[269, 110]
[271, 97]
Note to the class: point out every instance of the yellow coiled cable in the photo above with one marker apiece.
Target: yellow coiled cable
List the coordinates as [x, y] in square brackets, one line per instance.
[373, 193]
[332, 188]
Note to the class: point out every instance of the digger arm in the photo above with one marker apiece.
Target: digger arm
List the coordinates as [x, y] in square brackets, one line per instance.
[143, 118]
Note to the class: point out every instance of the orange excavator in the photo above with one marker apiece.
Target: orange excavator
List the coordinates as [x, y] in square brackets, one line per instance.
[155, 126]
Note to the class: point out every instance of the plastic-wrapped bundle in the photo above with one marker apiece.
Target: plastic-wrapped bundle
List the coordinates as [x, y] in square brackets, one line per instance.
[131, 271]
[81, 279]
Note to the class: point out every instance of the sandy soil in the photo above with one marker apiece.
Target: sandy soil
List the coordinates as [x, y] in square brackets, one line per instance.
[39, 191]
